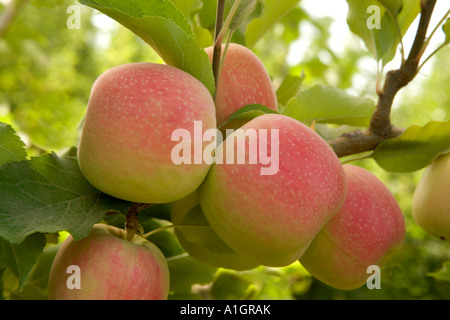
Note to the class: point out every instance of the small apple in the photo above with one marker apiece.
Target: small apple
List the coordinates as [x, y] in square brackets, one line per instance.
[201, 242]
[431, 201]
[243, 81]
[366, 232]
[126, 143]
[110, 268]
[270, 212]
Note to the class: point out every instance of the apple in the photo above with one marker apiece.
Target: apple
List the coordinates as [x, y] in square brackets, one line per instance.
[431, 201]
[272, 216]
[366, 232]
[243, 81]
[126, 143]
[200, 241]
[110, 268]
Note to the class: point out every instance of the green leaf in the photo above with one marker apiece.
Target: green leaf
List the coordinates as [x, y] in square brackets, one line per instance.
[245, 9]
[289, 88]
[187, 6]
[446, 29]
[250, 112]
[49, 194]
[36, 285]
[326, 104]
[11, 147]
[196, 229]
[165, 240]
[186, 271]
[273, 11]
[165, 29]
[393, 17]
[21, 258]
[244, 115]
[415, 149]
[230, 286]
[443, 274]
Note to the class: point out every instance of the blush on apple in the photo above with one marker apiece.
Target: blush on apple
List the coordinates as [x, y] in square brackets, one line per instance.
[110, 268]
[366, 232]
[125, 147]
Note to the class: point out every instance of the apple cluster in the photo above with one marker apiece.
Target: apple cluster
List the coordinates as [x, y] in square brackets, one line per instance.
[337, 220]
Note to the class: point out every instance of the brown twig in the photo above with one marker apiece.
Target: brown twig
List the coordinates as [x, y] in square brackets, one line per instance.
[218, 44]
[9, 14]
[380, 126]
[132, 224]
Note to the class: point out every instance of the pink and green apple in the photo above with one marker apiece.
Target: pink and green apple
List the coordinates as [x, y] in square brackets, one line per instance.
[110, 268]
[126, 144]
[272, 216]
[243, 81]
[366, 232]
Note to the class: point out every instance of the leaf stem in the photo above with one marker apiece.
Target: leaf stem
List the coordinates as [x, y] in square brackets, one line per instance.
[430, 37]
[171, 226]
[227, 23]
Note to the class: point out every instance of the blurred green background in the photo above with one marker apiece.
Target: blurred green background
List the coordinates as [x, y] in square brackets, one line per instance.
[47, 70]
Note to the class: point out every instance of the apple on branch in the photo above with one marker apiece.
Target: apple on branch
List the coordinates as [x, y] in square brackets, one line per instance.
[125, 146]
[110, 268]
[272, 219]
[243, 81]
[366, 232]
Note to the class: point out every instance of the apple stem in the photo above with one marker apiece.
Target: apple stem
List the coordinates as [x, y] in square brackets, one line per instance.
[132, 225]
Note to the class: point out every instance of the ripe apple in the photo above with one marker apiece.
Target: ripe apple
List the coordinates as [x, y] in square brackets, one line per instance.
[201, 242]
[431, 201]
[125, 147]
[243, 81]
[110, 268]
[366, 232]
[272, 218]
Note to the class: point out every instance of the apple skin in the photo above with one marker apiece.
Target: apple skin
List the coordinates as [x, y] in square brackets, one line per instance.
[367, 231]
[243, 81]
[203, 244]
[272, 219]
[431, 201]
[111, 268]
[125, 146]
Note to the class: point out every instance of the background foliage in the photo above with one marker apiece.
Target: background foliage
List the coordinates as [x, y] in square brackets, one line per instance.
[47, 70]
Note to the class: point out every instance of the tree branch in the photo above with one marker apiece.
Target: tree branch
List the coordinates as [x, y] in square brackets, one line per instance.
[218, 44]
[380, 126]
[9, 14]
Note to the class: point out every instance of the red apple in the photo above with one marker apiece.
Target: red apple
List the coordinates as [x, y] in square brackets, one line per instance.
[126, 143]
[270, 212]
[366, 232]
[110, 268]
[243, 81]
